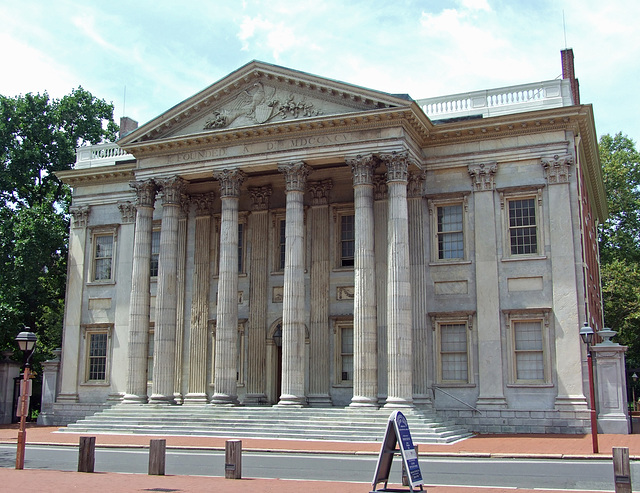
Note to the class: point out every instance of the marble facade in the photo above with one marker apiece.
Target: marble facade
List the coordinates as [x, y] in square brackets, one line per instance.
[284, 239]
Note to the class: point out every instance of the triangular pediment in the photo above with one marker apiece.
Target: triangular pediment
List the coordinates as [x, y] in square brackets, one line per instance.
[261, 94]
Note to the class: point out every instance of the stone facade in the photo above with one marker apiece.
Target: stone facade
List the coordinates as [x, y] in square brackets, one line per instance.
[283, 239]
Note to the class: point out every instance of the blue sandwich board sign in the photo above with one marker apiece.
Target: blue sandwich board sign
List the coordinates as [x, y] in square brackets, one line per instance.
[397, 434]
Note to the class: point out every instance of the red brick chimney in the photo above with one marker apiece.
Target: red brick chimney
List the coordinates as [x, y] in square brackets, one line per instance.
[127, 125]
[568, 72]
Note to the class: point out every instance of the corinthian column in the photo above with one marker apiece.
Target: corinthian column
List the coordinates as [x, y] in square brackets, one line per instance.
[400, 360]
[164, 337]
[139, 305]
[197, 393]
[365, 363]
[293, 309]
[225, 388]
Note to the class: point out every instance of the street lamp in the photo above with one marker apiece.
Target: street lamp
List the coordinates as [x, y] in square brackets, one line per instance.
[26, 342]
[586, 333]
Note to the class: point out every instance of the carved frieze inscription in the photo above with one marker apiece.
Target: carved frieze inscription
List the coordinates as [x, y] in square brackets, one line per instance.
[263, 147]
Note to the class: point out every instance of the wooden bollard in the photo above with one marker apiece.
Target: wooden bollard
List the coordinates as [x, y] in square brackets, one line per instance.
[233, 459]
[405, 475]
[621, 470]
[157, 453]
[87, 454]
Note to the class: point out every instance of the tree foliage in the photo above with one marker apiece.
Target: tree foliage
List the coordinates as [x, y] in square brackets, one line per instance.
[619, 242]
[38, 137]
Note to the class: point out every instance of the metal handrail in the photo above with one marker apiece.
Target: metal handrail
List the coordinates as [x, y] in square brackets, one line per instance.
[459, 400]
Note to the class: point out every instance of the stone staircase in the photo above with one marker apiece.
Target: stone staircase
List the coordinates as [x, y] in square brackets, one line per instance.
[332, 424]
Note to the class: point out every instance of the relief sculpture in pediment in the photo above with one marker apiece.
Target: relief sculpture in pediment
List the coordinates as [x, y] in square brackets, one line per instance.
[260, 104]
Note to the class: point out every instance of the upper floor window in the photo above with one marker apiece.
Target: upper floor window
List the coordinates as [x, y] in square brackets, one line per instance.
[155, 253]
[103, 253]
[347, 240]
[523, 237]
[450, 232]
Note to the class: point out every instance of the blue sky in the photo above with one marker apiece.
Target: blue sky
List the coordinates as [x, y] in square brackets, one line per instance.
[165, 51]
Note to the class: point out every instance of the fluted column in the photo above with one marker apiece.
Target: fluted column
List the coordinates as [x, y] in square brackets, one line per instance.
[164, 337]
[139, 304]
[197, 393]
[381, 213]
[225, 387]
[258, 295]
[418, 224]
[399, 344]
[490, 374]
[319, 354]
[293, 305]
[365, 358]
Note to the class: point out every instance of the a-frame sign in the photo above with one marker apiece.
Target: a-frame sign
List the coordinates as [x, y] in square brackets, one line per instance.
[397, 434]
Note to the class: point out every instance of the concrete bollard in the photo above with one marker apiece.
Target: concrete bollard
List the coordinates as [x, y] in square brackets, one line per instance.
[233, 459]
[87, 454]
[157, 454]
[621, 470]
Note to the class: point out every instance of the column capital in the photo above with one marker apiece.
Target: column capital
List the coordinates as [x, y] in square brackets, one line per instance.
[362, 168]
[80, 215]
[482, 175]
[145, 192]
[128, 211]
[230, 181]
[397, 165]
[320, 191]
[172, 190]
[204, 203]
[556, 169]
[295, 175]
[415, 187]
[380, 188]
[260, 197]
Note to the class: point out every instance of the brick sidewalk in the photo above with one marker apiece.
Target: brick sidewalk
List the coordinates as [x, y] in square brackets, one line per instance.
[44, 481]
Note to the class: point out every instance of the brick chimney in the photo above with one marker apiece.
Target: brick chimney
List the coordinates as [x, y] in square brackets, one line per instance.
[568, 72]
[127, 125]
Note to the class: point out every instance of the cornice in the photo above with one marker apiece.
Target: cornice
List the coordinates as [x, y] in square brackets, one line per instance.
[406, 118]
[98, 175]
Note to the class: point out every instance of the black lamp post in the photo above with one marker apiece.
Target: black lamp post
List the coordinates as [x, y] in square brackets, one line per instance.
[27, 342]
[586, 333]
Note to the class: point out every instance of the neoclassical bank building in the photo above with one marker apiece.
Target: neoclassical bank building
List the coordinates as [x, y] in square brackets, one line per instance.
[282, 239]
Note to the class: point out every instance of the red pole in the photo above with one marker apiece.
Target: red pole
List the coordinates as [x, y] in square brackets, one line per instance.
[594, 420]
[23, 409]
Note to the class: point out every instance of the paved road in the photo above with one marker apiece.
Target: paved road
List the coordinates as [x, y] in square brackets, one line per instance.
[513, 473]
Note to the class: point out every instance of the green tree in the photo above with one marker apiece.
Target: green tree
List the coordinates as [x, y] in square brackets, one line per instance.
[619, 242]
[38, 137]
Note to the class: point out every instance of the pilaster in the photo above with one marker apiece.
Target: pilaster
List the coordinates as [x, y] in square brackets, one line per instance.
[490, 374]
[258, 229]
[197, 393]
[319, 355]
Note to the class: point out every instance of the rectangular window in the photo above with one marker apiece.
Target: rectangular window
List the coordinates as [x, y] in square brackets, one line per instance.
[347, 240]
[523, 234]
[150, 346]
[97, 356]
[241, 248]
[454, 360]
[103, 257]
[346, 354]
[529, 350]
[450, 233]
[155, 252]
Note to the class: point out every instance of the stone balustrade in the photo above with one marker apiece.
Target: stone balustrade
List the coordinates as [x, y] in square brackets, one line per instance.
[100, 155]
[500, 101]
